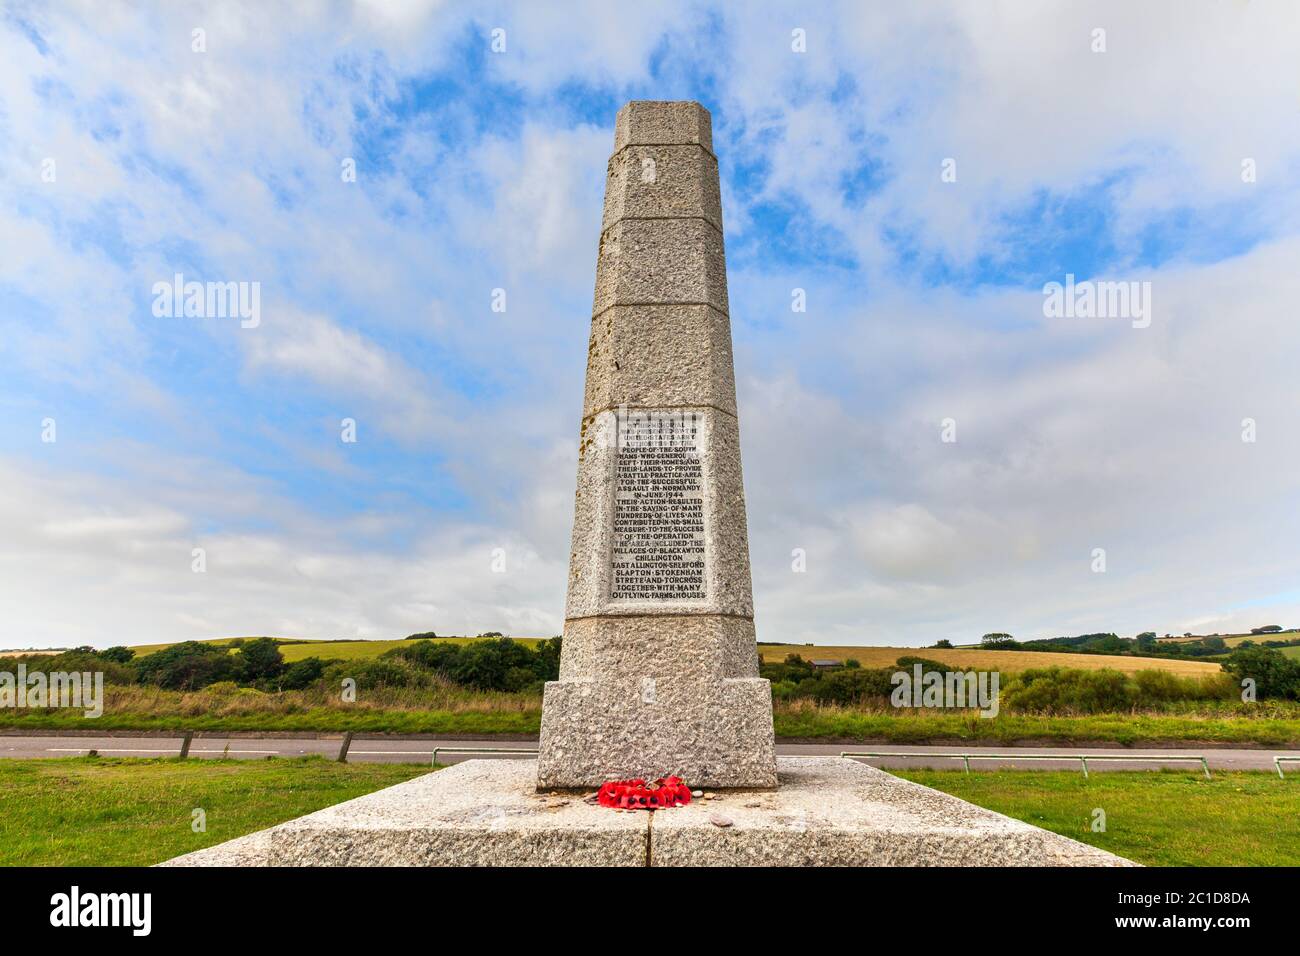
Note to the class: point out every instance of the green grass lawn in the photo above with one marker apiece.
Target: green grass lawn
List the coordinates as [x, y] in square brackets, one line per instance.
[1165, 818]
[86, 811]
[89, 811]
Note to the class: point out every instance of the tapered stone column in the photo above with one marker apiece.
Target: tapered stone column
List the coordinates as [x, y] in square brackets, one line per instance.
[659, 670]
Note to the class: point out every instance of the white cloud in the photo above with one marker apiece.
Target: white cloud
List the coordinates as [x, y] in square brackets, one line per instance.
[1071, 436]
[91, 560]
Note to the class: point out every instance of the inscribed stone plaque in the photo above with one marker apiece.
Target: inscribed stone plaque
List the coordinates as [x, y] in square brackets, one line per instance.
[658, 552]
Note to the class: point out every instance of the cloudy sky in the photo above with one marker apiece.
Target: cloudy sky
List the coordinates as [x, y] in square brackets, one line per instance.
[1164, 150]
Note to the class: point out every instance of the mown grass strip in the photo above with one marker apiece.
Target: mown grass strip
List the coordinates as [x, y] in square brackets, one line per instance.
[1159, 818]
[100, 811]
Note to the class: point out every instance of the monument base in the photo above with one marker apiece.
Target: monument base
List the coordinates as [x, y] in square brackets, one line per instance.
[827, 811]
[709, 733]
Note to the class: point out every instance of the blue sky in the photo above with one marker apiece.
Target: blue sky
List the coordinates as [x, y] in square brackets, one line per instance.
[479, 170]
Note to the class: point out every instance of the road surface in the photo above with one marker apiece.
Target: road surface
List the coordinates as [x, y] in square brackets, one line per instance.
[396, 749]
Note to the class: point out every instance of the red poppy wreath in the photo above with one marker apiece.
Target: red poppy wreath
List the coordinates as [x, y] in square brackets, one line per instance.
[638, 795]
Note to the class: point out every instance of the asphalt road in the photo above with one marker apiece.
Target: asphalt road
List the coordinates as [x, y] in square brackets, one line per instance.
[420, 750]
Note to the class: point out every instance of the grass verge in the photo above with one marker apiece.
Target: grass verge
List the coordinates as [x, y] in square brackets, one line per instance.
[96, 811]
[449, 710]
[1165, 818]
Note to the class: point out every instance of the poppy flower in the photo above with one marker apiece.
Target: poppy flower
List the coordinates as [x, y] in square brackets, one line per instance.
[637, 795]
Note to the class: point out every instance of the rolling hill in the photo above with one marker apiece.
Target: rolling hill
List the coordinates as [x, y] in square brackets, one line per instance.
[1005, 661]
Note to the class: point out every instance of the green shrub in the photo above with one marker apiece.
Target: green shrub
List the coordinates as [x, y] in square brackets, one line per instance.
[1158, 687]
[189, 665]
[380, 672]
[1057, 690]
[488, 664]
[259, 660]
[302, 674]
[1275, 675]
[852, 686]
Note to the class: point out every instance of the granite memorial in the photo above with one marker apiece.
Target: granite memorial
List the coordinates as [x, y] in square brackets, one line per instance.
[659, 668]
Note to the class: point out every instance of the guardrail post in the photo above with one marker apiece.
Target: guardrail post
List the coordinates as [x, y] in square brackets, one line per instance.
[1205, 765]
[1277, 762]
[185, 744]
[434, 761]
[1084, 761]
[343, 751]
[965, 758]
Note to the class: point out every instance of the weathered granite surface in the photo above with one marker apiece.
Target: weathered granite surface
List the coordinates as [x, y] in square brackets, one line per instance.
[663, 122]
[660, 346]
[828, 811]
[832, 811]
[476, 813]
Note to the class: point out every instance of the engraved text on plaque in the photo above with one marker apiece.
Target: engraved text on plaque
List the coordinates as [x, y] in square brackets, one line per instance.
[658, 552]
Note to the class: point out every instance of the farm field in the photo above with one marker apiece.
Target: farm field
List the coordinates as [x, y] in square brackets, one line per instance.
[1158, 818]
[296, 649]
[1232, 640]
[99, 811]
[1007, 661]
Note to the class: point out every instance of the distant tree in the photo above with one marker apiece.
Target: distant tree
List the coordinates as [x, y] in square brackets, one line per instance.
[1102, 644]
[927, 665]
[794, 668]
[118, 655]
[996, 640]
[548, 658]
[1214, 643]
[1275, 674]
[422, 636]
[259, 660]
[302, 674]
[1146, 641]
[943, 642]
[494, 664]
[188, 665]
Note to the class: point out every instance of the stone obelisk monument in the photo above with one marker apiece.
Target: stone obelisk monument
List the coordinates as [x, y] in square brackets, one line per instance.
[659, 668]
[659, 671]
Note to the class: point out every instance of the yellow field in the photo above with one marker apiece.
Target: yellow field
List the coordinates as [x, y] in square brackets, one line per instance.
[1007, 662]
[1232, 640]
